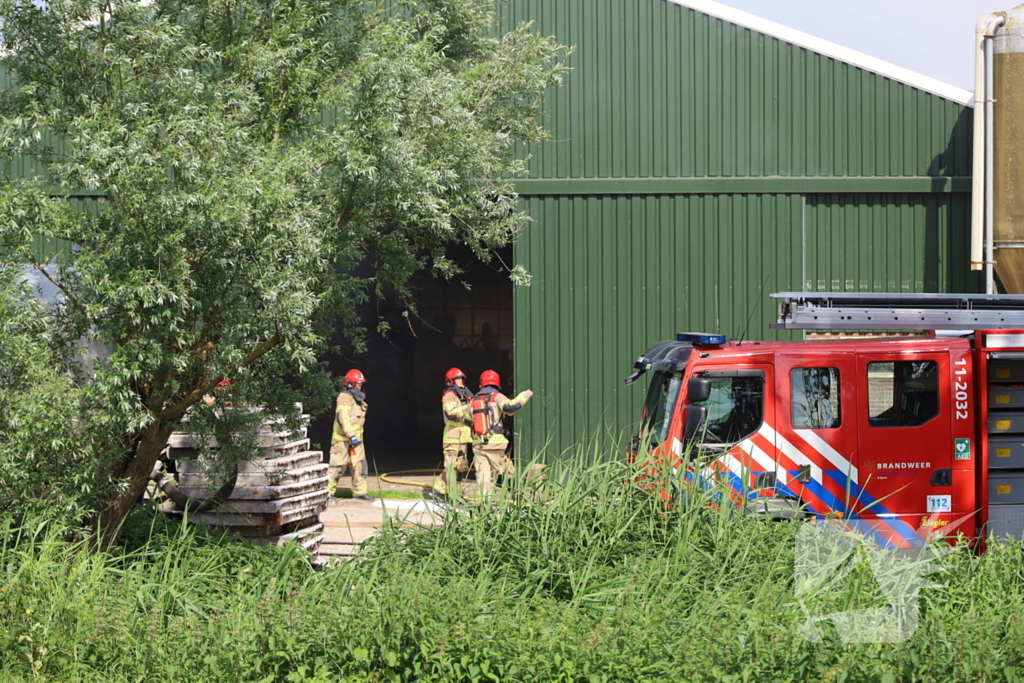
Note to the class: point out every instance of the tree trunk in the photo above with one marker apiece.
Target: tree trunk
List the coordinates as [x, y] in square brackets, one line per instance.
[137, 471]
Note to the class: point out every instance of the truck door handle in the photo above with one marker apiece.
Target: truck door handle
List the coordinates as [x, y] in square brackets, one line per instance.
[943, 477]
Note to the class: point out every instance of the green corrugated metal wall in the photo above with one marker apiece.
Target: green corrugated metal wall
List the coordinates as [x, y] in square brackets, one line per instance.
[659, 90]
[25, 167]
[889, 243]
[695, 161]
[44, 247]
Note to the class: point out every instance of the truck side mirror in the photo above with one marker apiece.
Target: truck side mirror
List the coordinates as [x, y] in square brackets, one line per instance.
[698, 390]
[696, 416]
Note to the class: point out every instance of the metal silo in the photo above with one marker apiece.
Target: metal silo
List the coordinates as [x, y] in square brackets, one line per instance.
[999, 148]
[1008, 157]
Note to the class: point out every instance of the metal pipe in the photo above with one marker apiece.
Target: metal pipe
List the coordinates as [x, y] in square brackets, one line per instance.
[990, 31]
[984, 31]
[978, 169]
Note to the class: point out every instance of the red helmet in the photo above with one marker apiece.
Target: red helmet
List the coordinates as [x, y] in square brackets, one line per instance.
[352, 377]
[452, 375]
[490, 378]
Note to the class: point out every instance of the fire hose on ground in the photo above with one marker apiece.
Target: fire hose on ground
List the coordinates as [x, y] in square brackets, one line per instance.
[422, 484]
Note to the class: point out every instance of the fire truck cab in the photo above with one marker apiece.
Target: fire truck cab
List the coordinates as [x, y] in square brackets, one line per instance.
[899, 437]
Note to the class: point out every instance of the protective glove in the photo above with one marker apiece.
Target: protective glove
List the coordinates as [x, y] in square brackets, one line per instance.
[354, 441]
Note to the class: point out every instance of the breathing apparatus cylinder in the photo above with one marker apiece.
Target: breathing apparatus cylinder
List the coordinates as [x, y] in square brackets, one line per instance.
[481, 422]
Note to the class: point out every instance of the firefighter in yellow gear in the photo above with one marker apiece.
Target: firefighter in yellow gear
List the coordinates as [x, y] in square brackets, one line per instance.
[491, 454]
[347, 445]
[458, 429]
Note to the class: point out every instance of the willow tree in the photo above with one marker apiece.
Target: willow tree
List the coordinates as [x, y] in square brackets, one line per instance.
[245, 156]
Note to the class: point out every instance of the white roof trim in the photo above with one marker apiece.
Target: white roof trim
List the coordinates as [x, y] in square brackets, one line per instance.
[824, 47]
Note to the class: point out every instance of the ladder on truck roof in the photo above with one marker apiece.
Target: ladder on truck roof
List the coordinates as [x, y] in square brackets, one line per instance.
[867, 311]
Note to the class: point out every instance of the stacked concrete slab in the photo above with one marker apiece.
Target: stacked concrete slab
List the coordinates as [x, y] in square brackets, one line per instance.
[276, 498]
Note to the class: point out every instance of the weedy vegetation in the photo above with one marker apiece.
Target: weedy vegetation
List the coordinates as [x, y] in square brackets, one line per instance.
[577, 576]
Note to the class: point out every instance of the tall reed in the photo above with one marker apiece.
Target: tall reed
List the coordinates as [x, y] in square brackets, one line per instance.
[578, 576]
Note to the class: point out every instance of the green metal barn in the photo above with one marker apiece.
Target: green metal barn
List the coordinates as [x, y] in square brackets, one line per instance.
[701, 154]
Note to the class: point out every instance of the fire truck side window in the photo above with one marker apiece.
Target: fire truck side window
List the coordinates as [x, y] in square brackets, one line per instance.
[735, 408]
[902, 393]
[815, 398]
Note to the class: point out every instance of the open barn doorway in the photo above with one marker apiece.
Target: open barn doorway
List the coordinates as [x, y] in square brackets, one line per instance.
[465, 323]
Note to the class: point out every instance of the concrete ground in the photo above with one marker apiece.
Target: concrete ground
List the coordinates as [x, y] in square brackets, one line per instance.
[349, 522]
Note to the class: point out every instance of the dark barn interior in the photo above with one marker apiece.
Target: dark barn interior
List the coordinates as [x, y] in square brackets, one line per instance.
[466, 323]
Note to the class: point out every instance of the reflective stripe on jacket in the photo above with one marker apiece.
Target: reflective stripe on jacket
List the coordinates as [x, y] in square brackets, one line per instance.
[458, 418]
[349, 417]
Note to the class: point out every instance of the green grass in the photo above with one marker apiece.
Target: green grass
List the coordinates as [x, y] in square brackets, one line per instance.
[587, 580]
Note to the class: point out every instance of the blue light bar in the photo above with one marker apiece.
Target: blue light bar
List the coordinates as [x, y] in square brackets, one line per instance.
[701, 338]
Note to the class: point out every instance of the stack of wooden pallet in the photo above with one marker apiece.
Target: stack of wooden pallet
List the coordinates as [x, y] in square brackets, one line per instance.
[276, 498]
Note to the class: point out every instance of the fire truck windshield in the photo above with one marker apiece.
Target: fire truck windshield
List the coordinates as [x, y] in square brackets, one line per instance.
[659, 406]
[735, 409]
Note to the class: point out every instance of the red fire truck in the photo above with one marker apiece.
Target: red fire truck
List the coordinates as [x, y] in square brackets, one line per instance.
[900, 437]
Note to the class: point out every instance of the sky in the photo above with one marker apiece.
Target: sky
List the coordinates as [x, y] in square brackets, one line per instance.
[931, 37]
